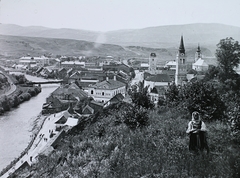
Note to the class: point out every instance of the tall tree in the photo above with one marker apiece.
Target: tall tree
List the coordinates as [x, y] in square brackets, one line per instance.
[140, 96]
[228, 56]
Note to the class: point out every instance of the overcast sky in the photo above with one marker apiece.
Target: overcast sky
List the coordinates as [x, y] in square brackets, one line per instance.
[106, 15]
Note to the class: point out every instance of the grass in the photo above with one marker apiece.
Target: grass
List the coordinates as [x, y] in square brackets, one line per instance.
[107, 148]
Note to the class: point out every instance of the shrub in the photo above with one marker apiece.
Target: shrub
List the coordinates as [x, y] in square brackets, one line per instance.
[32, 92]
[203, 97]
[136, 117]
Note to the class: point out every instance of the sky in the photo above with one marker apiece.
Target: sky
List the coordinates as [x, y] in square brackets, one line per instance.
[108, 15]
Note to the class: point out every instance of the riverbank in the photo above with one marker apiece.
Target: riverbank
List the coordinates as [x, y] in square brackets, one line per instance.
[38, 123]
[17, 124]
[17, 94]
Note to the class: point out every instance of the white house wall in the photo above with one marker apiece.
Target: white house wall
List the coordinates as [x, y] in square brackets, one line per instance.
[108, 94]
[154, 84]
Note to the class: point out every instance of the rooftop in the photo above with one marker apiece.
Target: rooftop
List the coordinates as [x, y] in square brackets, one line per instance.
[108, 84]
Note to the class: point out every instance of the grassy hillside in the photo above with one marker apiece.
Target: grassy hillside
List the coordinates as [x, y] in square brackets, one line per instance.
[18, 46]
[21, 46]
[153, 37]
[106, 147]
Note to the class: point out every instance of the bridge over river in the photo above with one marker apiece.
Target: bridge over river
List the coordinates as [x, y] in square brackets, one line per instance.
[44, 82]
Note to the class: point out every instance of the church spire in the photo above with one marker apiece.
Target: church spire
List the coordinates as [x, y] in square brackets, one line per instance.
[198, 49]
[198, 53]
[181, 47]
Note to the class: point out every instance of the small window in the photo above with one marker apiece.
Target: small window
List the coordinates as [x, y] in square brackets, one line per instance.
[103, 93]
[91, 92]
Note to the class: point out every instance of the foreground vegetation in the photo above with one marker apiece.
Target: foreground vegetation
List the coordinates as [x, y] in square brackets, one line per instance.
[22, 93]
[110, 147]
[138, 140]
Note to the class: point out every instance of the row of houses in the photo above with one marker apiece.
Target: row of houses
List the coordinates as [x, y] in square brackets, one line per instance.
[88, 91]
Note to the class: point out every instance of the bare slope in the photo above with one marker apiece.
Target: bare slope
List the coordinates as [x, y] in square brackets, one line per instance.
[16, 46]
[159, 37]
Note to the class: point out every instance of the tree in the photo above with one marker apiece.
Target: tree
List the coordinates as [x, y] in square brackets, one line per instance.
[202, 97]
[211, 73]
[228, 56]
[141, 97]
[172, 95]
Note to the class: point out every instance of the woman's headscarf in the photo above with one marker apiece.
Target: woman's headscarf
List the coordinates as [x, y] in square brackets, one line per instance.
[196, 117]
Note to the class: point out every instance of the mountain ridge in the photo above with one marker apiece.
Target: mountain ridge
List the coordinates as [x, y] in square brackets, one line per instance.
[207, 34]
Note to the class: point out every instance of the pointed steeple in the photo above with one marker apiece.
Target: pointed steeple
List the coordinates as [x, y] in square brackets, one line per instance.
[198, 53]
[181, 47]
[198, 49]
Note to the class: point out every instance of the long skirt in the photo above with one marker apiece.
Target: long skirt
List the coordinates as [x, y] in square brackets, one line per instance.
[198, 141]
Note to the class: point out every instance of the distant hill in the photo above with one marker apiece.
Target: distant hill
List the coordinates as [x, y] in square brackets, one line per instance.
[208, 35]
[18, 46]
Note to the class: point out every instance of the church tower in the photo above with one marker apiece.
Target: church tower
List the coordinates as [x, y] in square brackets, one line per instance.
[198, 53]
[153, 63]
[181, 65]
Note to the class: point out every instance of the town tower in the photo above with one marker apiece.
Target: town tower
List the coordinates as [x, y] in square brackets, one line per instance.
[152, 63]
[181, 65]
[198, 53]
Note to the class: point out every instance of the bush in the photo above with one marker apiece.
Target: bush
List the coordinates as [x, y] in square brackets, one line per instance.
[203, 97]
[32, 92]
[136, 117]
[234, 119]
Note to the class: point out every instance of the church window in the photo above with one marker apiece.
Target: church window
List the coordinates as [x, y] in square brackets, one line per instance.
[152, 59]
[183, 61]
[91, 92]
[103, 93]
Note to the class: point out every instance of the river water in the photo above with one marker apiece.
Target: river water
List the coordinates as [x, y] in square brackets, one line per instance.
[16, 125]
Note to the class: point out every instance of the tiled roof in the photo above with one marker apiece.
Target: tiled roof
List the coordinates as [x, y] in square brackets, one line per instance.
[88, 110]
[200, 62]
[158, 89]
[110, 84]
[96, 103]
[75, 74]
[72, 89]
[159, 78]
[117, 97]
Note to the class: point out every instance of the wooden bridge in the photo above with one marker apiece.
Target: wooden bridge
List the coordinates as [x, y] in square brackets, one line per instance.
[44, 82]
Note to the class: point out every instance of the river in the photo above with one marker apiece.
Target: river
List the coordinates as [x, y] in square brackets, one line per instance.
[16, 125]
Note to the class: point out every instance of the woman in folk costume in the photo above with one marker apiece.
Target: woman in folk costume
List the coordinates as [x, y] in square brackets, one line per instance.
[197, 132]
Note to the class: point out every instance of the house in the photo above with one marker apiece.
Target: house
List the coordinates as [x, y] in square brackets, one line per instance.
[62, 119]
[116, 99]
[170, 73]
[47, 72]
[171, 65]
[72, 64]
[156, 92]
[105, 90]
[144, 66]
[157, 80]
[200, 65]
[42, 61]
[55, 104]
[87, 111]
[117, 67]
[62, 72]
[64, 97]
[96, 106]
[74, 77]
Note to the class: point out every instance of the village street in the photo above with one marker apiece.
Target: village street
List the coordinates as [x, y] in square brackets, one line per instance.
[12, 86]
[138, 78]
[41, 143]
